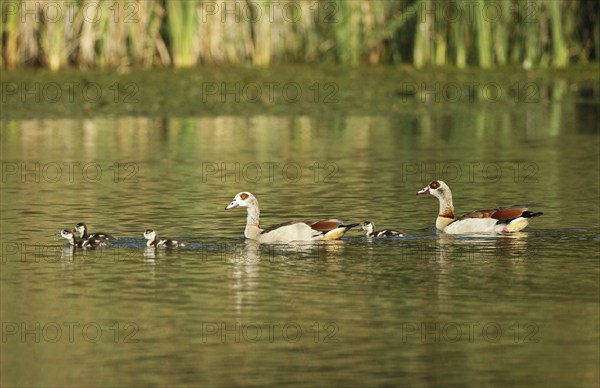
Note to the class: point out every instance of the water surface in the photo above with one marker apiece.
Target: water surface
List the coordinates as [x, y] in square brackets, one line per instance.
[426, 310]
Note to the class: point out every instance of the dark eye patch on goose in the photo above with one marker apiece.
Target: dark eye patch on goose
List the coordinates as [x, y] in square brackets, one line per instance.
[244, 196]
[434, 185]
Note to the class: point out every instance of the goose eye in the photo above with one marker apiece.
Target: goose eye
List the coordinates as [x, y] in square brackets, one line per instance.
[434, 185]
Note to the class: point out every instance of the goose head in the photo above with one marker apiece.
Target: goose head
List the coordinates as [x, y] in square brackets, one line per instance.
[150, 234]
[438, 189]
[368, 226]
[81, 228]
[243, 199]
[68, 234]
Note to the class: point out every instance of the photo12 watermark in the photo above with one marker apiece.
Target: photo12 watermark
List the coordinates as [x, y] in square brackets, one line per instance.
[66, 11]
[69, 92]
[268, 11]
[473, 11]
[269, 172]
[252, 332]
[31, 253]
[471, 172]
[451, 332]
[270, 92]
[69, 331]
[469, 92]
[72, 171]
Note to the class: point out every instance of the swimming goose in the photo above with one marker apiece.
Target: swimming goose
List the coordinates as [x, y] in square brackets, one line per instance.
[155, 242]
[98, 237]
[78, 243]
[369, 226]
[326, 229]
[498, 220]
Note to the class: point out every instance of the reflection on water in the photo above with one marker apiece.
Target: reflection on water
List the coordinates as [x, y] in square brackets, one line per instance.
[252, 252]
[427, 309]
[482, 247]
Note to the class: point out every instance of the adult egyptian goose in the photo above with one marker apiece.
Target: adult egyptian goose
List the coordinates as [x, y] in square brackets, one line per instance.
[369, 227]
[326, 229]
[498, 220]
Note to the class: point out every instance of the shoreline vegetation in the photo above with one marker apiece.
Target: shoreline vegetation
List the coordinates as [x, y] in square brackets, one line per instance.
[323, 90]
[122, 34]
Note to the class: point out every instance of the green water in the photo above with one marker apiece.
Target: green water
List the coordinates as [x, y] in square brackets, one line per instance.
[425, 310]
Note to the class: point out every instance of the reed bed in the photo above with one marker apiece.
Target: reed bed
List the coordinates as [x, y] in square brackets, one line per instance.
[184, 33]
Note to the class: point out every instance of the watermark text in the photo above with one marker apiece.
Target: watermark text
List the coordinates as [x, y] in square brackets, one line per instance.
[450, 332]
[52, 332]
[53, 172]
